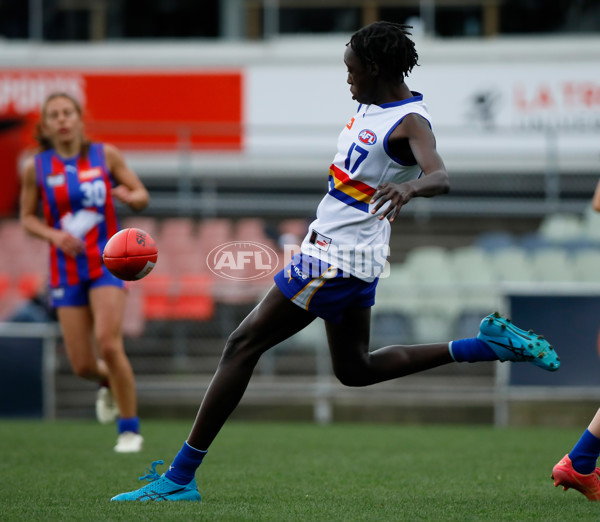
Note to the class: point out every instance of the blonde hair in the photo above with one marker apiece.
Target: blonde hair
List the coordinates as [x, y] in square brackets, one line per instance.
[44, 142]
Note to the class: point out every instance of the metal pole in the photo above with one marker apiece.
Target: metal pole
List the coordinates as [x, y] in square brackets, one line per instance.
[501, 385]
[185, 186]
[36, 20]
[551, 173]
[232, 15]
[427, 13]
[49, 373]
[501, 412]
[323, 407]
[270, 18]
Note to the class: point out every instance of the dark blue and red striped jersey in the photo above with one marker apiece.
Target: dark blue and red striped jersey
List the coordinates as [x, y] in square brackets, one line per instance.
[68, 186]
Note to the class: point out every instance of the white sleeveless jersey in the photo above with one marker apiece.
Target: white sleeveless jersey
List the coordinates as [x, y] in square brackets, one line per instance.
[346, 233]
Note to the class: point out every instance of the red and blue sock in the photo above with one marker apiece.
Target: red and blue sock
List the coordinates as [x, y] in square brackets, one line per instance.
[184, 466]
[471, 350]
[585, 453]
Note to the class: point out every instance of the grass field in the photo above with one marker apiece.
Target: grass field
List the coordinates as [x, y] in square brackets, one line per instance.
[66, 470]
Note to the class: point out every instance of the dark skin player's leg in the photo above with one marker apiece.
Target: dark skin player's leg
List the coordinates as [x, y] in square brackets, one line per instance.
[354, 365]
[275, 319]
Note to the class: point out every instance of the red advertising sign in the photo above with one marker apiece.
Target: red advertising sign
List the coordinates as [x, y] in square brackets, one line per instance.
[166, 109]
[161, 110]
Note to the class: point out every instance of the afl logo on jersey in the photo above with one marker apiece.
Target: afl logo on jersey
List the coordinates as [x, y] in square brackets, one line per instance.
[367, 136]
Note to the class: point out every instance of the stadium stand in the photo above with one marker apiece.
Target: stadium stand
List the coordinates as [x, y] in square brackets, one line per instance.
[552, 265]
[429, 264]
[134, 323]
[519, 190]
[392, 314]
[512, 265]
[471, 264]
[586, 266]
[4, 285]
[591, 224]
[148, 224]
[495, 240]
[179, 229]
[560, 227]
[476, 293]
[532, 242]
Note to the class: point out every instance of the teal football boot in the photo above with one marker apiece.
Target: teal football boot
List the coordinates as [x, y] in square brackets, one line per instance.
[160, 489]
[510, 343]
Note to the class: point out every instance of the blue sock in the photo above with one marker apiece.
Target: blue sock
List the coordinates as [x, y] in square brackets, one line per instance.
[585, 453]
[471, 350]
[185, 464]
[129, 424]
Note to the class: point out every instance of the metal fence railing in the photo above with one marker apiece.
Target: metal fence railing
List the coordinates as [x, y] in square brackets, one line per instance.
[174, 362]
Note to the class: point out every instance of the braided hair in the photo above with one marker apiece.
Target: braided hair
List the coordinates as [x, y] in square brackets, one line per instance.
[388, 45]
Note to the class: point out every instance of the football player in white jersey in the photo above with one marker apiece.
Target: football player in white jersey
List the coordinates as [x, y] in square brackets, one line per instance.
[386, 157]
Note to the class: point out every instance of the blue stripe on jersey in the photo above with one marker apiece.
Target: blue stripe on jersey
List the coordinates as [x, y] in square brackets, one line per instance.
[345, 198]
[96, 156]
[73, 184]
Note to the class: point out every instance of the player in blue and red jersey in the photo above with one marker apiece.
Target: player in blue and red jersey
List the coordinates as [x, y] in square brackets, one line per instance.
[76, 182]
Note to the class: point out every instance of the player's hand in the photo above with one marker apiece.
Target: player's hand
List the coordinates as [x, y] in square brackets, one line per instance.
[123, 193]
[69, 244]
[397, 194]
[136, 198]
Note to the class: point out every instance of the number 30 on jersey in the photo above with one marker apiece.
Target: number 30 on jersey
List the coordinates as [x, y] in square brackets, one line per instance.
[94, 193]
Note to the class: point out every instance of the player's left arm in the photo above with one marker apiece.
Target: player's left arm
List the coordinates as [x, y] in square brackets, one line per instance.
[130, 190]
[433, 181]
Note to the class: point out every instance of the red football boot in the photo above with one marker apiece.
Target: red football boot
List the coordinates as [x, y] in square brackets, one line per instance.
[564, 475]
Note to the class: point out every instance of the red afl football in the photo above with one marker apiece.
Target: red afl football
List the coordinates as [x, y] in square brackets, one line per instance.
[130, 254]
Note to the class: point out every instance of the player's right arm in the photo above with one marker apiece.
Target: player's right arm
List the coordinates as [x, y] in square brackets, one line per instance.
[415, 130]
[69, 244]
[596, 200]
